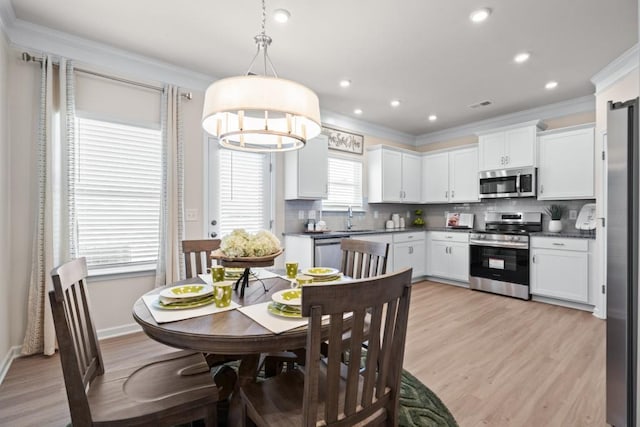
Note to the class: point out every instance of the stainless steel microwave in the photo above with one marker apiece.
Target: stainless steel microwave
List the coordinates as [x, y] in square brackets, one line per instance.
[507, 183]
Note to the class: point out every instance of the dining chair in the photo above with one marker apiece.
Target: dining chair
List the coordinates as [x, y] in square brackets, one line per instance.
[165, 390]
[195, 251]
[330, 392]
[361, 259]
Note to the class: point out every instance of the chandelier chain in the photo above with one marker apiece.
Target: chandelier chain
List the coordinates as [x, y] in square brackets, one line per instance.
[264, 17]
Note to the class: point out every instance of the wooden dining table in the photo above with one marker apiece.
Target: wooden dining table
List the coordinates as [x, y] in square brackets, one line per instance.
[227, 333]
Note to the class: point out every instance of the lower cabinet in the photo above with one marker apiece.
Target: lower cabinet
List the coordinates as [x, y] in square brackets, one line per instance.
[408, 251]
[380, 238]
[560, 268]
[448, 255]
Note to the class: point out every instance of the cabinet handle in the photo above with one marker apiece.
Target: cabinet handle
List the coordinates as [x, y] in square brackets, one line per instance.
[558, 244]
[541, 188]
[507, 160]
[502, 160]
[453, 194]
[533, 260]
[410, 249]
[448, 237]
[446, 194]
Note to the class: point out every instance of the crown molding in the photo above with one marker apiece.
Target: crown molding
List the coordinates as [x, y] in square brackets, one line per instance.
[36, 38]
[617, 69]
[564, 108]
[330, 118]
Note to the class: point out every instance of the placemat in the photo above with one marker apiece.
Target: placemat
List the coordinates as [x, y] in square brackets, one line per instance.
[276, 324]
[165, 316]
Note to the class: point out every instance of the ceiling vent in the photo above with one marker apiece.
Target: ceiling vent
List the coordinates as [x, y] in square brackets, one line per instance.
[480, 104]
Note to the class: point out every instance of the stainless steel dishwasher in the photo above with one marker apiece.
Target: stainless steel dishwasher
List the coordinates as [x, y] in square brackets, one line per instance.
[327, 252]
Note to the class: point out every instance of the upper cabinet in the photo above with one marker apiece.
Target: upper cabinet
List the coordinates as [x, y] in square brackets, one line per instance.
[510, 147]
[450, 177]
[566, 163]
[394, 175]
[306, 170]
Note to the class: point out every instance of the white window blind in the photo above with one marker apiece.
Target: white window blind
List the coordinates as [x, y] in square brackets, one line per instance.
[345, 183]
[244, 191]
[117, 193]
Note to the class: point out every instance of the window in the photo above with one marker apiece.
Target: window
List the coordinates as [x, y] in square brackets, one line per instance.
[244, 191]
[117, 193]
[345, 184]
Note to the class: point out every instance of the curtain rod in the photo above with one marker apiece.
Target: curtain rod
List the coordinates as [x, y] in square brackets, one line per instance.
[27, 57]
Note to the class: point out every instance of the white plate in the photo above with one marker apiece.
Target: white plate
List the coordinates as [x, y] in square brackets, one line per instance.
[187, 291]
[321, 271]
[288, 296]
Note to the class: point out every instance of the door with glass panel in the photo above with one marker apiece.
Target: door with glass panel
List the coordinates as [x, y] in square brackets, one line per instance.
[239, 190]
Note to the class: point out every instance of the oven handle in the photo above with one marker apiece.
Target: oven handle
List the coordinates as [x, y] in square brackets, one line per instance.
[518, 183]
[507, 245]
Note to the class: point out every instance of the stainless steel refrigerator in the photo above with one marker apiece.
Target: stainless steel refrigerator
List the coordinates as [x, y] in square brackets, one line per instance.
[622, 262]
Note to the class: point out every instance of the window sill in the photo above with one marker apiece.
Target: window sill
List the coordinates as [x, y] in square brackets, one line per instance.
[122, 272]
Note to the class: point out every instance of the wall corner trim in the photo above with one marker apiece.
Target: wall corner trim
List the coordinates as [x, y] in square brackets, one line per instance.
[617, 69]
[12, 354]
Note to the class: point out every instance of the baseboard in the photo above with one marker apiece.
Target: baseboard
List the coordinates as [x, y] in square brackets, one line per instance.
[118, 331]
[446, 281]
[13, 353]
[562, 303]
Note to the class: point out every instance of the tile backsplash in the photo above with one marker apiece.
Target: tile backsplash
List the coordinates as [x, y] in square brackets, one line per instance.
[434, 215]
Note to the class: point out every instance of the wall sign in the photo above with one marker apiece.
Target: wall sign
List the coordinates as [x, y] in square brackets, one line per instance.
[343, 140]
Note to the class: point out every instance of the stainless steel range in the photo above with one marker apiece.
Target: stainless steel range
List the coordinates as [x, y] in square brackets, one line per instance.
[499, 256]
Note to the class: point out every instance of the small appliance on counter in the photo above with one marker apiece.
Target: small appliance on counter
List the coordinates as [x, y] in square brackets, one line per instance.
[396, 220]
[587, 217]
[389, 225]
[459, 220]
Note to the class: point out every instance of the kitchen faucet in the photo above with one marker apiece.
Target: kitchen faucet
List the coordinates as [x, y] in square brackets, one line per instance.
[349, 216]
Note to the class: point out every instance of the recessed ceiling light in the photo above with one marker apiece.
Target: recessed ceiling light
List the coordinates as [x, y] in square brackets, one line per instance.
[433, 118]
[357, 111]
[480, 14]
[551, 85]
[345, 83]
[395, 103]
[281, 15]
[522, 57]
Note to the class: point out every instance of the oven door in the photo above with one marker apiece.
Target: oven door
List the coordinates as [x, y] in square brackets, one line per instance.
[503, 264]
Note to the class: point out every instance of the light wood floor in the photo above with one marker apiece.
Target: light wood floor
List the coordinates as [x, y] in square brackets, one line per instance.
[494, 361]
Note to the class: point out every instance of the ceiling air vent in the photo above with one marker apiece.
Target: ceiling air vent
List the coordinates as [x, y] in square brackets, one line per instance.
[480, 104]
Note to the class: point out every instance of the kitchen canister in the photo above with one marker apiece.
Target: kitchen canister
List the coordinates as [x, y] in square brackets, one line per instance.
[389, 225]
[396, 220]
[401, 222]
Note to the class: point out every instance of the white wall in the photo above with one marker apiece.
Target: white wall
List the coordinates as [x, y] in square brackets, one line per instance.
[5, 283]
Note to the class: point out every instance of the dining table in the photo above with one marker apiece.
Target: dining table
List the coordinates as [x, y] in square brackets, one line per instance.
[227, 333]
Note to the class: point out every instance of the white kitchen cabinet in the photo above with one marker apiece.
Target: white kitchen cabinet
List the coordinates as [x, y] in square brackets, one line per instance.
[509, 147]
[566, 164]
[299, 249]
[408, 251]
[448, 255]
[306, 171]
[450, 177]
[394, 175]
[560, 268]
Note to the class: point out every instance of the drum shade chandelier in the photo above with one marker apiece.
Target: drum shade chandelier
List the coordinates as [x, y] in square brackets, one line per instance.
[259, 112]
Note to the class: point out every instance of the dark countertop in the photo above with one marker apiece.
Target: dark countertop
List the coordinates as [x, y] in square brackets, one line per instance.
[355, 232]
[573, 234]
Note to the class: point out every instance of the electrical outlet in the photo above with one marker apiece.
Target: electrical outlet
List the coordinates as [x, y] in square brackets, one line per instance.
[573, 214]
[192, 214]
[375, 214]
[408, 214]
[300, 214]
[312, 214]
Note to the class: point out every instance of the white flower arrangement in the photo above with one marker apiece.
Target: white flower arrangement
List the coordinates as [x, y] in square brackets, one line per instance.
[242, 244]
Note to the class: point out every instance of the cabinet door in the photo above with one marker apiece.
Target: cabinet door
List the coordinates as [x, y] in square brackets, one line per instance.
[391, 176]
[559, 179]
[411, 167]
[313, 169]
[491, 151]
[520, 147]
[463, 175]
[435, 178]
[560, 274]
[459, 261]
[439, 258]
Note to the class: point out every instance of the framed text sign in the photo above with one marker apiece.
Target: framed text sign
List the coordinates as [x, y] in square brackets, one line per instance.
[344, 140]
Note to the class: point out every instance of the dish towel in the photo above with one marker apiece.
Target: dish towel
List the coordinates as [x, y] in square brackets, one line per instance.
[165, 316]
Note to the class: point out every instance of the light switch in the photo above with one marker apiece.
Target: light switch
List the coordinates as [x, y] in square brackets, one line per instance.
[375, 214]
[300, 214]
[192, 215]
[573, 214]
[312, 214]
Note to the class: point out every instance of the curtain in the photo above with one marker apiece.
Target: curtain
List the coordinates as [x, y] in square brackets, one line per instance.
[54, 238]
[170, 267]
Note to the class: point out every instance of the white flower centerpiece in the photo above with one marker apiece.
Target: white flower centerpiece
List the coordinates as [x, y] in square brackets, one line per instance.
[241, 247]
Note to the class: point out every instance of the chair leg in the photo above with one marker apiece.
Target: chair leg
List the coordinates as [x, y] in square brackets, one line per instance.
[211, 419]
[225, 379]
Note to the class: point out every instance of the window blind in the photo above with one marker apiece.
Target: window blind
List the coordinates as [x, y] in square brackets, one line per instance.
[345, 183]
[117, 193]
[243, 178]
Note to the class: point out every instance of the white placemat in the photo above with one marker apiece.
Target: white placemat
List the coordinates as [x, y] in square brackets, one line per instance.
[276, 324]
[164, 316]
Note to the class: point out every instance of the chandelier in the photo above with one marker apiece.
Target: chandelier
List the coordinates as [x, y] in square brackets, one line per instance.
[259, 112]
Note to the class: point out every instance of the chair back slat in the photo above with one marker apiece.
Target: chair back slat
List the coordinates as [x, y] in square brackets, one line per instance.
[197, 252]
[77, 340]
[362, 259]
[386, 296]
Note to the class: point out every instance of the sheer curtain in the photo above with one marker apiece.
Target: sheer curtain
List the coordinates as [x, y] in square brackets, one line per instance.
[170, 267]
[54, 239]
